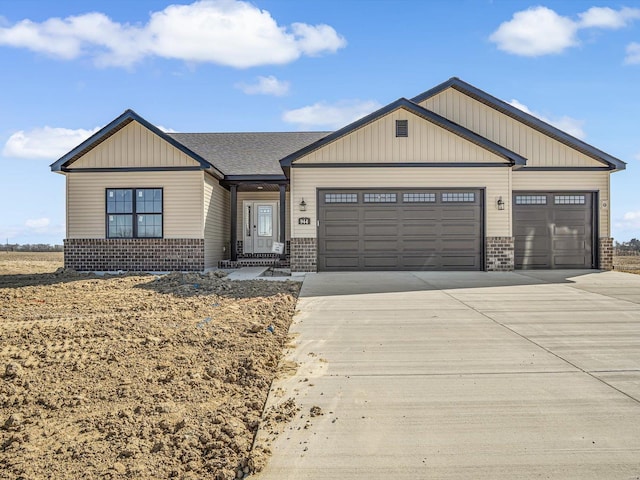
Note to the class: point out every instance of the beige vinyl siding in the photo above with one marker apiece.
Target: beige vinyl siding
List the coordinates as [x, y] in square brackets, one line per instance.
[134, 146]
[496, 180]
[377, 142]
[539, 149]
[569, 181]
[182, 201]
[216, 221]
[256, 197]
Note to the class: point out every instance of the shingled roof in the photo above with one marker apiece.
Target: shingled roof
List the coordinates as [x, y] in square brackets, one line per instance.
[247, 153]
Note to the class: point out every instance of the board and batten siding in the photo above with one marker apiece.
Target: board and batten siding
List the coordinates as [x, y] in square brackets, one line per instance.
[592, 181]
[182, 201]
[377, 142]
[496, 180]
[216, 221]
[134, 146]
[539, 149]
[257, 197]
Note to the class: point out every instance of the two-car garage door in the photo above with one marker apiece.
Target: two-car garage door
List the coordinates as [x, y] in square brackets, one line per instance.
[400, 229]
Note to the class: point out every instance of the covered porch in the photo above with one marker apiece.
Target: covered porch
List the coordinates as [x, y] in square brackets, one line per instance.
[259, 221]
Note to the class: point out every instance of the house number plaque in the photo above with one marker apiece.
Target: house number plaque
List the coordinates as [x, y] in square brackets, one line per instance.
[304, 221]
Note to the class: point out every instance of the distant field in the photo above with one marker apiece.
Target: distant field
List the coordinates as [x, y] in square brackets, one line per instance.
[630, 263]
[12, 263]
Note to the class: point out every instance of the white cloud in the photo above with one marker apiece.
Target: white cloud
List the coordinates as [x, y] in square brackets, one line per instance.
[31, 229]
[166, 129]
[567, 124]
[633, 54]
[226, 32]
[266, 86]
[605, 17]
[534, 32]
[47, 143]
[326, 115]
[630, 220]
[37, 223]
[541, 31]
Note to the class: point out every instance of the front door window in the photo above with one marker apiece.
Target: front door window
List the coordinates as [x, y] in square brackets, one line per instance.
[265, 221]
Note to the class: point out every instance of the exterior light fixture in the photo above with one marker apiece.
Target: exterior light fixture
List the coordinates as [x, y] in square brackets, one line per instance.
[500, 203]
[303, 206]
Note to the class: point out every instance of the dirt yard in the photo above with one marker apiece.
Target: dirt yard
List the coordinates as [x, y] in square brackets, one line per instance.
[134, 376]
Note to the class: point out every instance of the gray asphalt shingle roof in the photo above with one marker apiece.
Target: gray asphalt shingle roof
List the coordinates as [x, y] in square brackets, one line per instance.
[247, 153]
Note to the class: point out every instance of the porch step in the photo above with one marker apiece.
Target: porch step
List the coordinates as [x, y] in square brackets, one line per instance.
[254, 262]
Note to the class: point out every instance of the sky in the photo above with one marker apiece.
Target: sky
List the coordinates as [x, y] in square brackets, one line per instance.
[69, 67]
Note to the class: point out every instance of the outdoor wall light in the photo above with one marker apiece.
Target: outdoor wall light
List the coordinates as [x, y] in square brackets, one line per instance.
[303, 206]
[500, 203]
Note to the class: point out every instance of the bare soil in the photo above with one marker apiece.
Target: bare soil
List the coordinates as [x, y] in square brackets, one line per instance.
[135, 376]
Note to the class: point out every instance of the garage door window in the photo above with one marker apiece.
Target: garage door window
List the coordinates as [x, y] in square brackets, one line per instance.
[380, 198]
[459, 197]
[569, 199]
[419, 197]
[531, 199]
[341, 198]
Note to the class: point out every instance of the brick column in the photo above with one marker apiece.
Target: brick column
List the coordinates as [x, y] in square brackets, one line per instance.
[606, 253]
[500, 254]
[304, 252]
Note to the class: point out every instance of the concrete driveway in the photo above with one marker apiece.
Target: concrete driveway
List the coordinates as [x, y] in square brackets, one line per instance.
[463, 376]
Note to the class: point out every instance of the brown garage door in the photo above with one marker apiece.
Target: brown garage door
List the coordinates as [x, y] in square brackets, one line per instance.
[553, 229]
[400, 229]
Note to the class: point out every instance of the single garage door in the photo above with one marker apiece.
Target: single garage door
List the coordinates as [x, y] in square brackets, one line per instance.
[400, 229]
[553, 229]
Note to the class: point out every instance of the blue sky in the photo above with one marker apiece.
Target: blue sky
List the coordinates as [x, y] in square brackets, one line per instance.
[70, 67]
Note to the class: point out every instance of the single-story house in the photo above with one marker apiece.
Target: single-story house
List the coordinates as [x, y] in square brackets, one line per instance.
[453, 179]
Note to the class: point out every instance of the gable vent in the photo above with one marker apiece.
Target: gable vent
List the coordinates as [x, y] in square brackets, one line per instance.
[402, 128]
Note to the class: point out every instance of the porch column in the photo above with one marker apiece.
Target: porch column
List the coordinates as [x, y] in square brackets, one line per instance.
[283, 220]
[234, 223]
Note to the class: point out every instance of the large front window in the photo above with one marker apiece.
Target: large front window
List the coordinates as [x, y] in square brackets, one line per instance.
[134, 213]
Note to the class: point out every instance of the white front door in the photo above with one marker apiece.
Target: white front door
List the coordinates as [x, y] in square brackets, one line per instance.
[260, 226]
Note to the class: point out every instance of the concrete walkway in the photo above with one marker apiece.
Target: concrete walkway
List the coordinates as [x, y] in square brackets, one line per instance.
[463, 376]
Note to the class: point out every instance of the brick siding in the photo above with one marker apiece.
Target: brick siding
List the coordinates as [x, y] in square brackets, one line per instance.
[606, 253]
[134, 254]
[304, 252]
[500, 254]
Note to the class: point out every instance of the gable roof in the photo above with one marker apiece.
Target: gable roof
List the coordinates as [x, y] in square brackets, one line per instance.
[113, 127]
[510, 156]
[612, 162]
[247, 153]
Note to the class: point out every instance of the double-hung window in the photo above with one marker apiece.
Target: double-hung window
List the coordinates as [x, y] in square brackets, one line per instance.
[134, 213]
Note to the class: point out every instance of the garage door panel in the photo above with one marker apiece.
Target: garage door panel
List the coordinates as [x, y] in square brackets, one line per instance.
[451, 229]
[374, 214]
[335, 214]
[570, 244]
[380, 245]
[570, 230]
[569, 261]
[426, 215]
[342, 261]
[380, 262]
[338, 245]
[553, 234]
[460, 214]
[341, 229]
[376, 229]
[426, 245]
[422, 231]
[417, 232]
